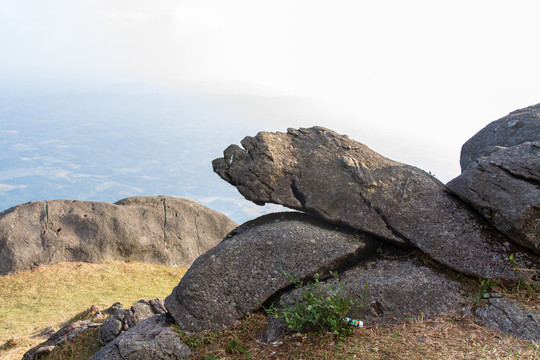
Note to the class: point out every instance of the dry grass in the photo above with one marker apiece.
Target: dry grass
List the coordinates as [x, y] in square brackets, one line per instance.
[33, 300]
[83, 347]
[50, 296]
[441, 338]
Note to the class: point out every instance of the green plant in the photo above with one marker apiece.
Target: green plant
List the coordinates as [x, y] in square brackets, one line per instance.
[318, 309]
[513, 262]
[235, 346]
[210, 357]
[195, 340]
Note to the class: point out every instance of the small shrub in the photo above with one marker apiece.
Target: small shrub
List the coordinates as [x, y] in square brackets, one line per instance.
[318, 309]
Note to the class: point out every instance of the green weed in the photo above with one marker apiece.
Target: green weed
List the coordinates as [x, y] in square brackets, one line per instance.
[317, 310]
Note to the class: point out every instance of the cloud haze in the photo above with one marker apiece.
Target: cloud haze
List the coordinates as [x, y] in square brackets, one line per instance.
[420, 74]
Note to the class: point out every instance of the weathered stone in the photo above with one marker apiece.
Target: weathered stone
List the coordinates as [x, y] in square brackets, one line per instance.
[154, 338]
[122, 319]
[165, 230]
[47, 332]
[66, 333]
[517, 127]
[275, 328]
[504, 315]
[396, 289]
[504, 187]
[342, 181]
[237, 276]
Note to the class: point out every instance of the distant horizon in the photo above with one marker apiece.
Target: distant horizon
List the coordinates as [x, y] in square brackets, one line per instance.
[412, 80]
[56, 146]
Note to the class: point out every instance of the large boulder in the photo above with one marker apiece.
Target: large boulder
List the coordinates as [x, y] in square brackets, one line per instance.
[154, 338]
[165, 230]
[504, 187]
[517, 127]
[248, 268]
[342, 181]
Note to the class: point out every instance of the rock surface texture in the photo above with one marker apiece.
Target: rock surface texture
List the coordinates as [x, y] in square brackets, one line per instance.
[504, 315]
[247, 268]
[504, 187]
[344, 182]
[517, 127]
[165, 230]
[401, 288]
[153, 339]
[122, 319]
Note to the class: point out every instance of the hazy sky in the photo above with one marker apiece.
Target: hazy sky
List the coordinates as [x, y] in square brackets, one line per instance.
[424, 73]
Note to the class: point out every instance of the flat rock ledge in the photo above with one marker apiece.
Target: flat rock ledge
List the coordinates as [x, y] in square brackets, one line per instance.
[342, 181]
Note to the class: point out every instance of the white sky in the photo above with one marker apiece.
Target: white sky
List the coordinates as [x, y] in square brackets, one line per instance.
[422, 72]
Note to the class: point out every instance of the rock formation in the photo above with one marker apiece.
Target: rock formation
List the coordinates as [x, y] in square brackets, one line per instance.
[517, 127]
[344, 182]
[122, 319]
[246, 269]
[154, 338]
[402, 242]
[165, 230]
[504, 187]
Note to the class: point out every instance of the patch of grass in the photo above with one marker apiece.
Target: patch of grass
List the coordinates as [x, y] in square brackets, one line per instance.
[435, 339]
[51, 295]
[235, 346]
[82, 347]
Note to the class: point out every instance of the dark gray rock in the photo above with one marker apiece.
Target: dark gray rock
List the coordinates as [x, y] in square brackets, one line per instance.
[154, 338]
[504, 187]
[342, 181]
[66, 333]
[237, 276]
[504, 315]
[122, 319]
[396, 289]
[517, 127]
[165, 230]
[275, 328]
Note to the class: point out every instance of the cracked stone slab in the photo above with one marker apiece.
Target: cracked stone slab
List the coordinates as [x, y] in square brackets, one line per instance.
[335, 178]
[505, 315]
[519, 126]
[504, 187]
[162, 229]
[394, 289]
[247, 268]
